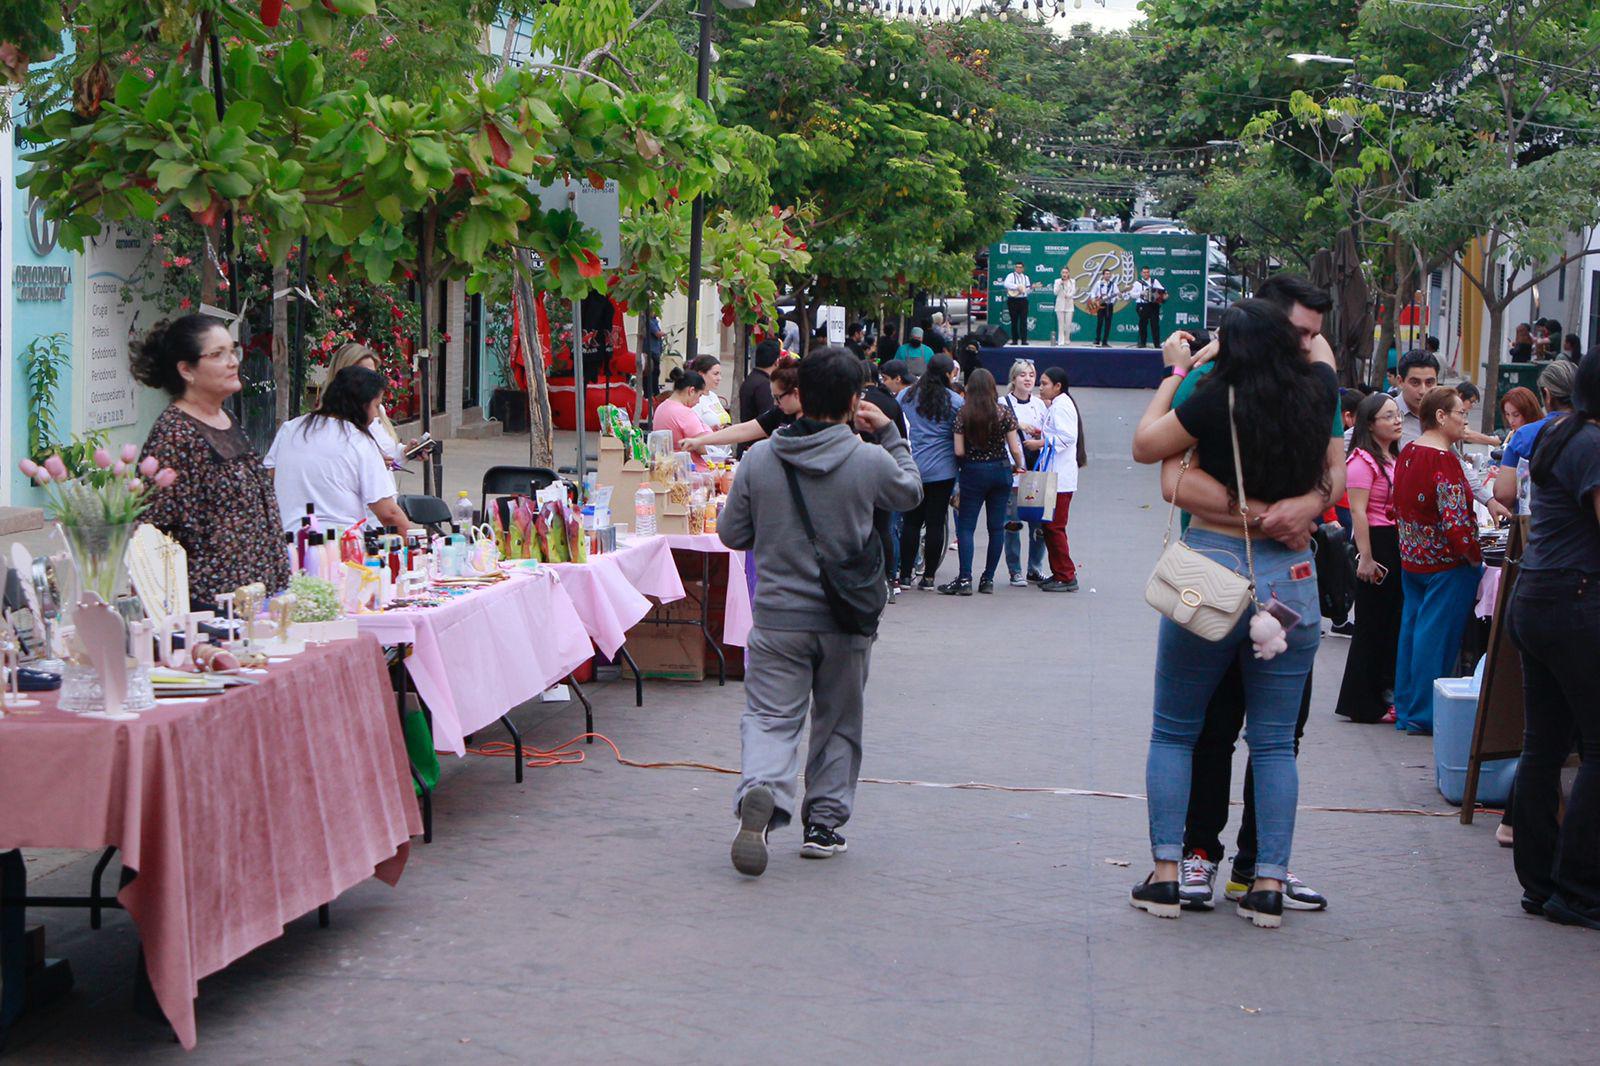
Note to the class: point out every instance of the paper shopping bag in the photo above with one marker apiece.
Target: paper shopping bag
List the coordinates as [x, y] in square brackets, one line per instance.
[1036, 495]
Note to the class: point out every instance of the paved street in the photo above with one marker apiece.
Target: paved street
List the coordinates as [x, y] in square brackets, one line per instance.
[590, 915]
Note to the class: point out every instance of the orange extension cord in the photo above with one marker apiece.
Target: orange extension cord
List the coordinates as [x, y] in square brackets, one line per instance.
[569, 754]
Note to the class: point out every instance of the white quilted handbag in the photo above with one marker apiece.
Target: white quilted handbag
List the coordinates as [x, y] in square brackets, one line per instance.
[1195, 591]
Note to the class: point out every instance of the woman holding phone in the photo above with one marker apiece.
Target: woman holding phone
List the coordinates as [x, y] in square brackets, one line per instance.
[1367, 692]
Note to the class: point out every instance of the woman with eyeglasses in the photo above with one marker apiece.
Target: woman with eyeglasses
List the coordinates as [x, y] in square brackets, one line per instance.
[1439, 557]
[1367, 692]
[785, 385]
[221, 508]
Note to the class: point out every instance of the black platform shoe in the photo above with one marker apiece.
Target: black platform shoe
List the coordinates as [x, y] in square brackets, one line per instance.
[1160, 898]
[1264, 908]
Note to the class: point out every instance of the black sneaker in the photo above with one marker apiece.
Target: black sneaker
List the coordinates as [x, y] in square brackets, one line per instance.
[1297, 895]
[1264, 908]
[750, 843]
[1159, 898]
[925, 585]
[822, 842]
[1532, 904]
[961, 586]
[1557, 910]
[1059, 586]
[986, 586]
[1037, 578]
[1343, 629]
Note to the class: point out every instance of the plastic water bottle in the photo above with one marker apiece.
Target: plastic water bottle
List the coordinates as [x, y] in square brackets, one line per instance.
[644, 511]
[461, 511]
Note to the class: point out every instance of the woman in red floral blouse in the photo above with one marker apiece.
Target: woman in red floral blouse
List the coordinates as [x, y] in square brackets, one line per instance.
[1439, 557]
[221, 508]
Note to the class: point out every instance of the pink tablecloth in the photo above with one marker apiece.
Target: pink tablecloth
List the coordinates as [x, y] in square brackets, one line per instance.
[610, 591]
[484, 652]
[736, 619]
[1488, 592]
[238, 814]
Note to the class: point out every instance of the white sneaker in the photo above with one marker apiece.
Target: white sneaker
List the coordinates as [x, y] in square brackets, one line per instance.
[1197, 883]
[1018, 581]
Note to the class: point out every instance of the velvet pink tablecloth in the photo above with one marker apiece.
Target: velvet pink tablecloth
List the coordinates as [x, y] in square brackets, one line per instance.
[736, 609]
[238, 814]
[486, 651]
[610, 591]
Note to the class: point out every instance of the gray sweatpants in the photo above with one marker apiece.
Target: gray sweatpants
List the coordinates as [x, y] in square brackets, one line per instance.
[786, 673]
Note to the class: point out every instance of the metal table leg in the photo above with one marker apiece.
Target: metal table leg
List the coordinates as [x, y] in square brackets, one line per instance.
[638, 681]
[705, 616]
[516, 743]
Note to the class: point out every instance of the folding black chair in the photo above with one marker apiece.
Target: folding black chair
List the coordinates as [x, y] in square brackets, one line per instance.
[430, 512]
[513, 481]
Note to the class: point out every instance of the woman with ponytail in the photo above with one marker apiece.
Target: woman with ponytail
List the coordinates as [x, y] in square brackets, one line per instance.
[1555, 622]
[676, 412]
[930, 408]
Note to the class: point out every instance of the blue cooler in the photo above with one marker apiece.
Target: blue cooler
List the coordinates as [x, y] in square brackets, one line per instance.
[1455, 709]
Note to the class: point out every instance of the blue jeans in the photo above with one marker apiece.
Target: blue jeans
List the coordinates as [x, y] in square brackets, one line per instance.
[1188, 670]
[1035, 549]
[982, 485]
[1431, 624]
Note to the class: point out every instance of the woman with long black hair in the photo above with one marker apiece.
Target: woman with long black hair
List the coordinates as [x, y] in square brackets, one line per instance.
[1264, 389]
[930, 407]
[1555, 622]
[1367, 692]
[330, 460]
[990, 455]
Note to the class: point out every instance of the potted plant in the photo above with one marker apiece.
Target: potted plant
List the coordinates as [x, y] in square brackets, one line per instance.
[508, 404]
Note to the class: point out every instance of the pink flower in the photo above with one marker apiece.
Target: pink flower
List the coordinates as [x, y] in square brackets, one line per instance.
[136, 486]
[102, 459]
[120, 468]
[130, 453]
[55, 467]
[165, 477]
[148, 466]
[29, 468]
[43, 476]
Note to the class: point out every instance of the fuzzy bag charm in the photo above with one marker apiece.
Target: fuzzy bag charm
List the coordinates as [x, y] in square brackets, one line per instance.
[1267, 635]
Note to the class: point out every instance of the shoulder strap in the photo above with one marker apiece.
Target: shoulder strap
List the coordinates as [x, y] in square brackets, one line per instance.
[1238, 479]
[800, 506]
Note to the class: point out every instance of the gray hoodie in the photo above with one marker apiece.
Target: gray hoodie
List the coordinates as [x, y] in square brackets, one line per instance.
[843, 479]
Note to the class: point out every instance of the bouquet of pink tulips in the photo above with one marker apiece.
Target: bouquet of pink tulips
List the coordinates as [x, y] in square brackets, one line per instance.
[116, 492]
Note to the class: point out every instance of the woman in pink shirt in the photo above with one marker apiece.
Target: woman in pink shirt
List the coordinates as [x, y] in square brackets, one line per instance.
[676, 412]
[1367, 694]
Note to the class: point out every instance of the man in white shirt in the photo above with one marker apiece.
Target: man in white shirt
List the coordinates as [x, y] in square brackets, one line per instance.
[1105, 295]
[1018, 285]
[1148, 294]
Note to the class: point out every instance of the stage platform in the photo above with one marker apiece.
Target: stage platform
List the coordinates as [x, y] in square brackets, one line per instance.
[1086, 365]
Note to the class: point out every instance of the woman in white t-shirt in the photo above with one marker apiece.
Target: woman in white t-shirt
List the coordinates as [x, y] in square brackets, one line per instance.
[330, 460]
[1030, 412]
[710, 407]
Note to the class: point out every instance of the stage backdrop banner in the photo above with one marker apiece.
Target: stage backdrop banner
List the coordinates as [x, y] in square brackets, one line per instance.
[1176, 260]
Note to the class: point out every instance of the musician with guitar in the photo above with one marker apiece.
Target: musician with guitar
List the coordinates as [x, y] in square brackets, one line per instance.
[1018, 285]
[1103, 296]
[1148, 296]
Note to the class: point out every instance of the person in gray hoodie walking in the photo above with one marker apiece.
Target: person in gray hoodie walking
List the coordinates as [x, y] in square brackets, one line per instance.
[797, 658]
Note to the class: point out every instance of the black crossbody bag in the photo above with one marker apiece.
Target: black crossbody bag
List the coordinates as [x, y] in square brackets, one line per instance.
[855, 587]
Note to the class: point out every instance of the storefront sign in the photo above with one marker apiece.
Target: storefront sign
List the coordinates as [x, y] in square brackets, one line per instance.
[41, 283]
[114, 265]
[599, 209]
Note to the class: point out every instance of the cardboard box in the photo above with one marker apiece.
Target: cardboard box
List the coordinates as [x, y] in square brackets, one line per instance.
[667, 653]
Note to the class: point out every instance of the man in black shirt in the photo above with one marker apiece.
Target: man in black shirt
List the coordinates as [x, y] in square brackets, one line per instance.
[755, 395]
[855, 340]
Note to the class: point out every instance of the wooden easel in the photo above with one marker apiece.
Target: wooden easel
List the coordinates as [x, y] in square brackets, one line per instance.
[1497, 730]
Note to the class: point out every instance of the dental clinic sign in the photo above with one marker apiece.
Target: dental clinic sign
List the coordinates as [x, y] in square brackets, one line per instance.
[114, 312]
[41, 284]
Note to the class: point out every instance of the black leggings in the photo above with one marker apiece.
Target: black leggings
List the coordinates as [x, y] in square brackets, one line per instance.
[930, 513]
